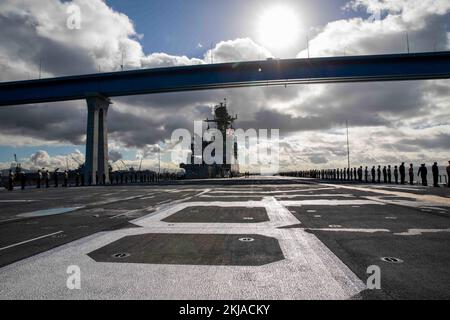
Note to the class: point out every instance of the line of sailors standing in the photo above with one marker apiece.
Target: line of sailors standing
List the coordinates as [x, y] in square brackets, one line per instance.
[42, 178]
[387, 174]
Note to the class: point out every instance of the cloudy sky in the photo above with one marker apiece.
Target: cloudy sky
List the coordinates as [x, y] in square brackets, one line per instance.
[389, 122]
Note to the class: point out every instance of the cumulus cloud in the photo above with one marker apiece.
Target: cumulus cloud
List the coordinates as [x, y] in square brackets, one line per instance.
[42, 160]
[414, 12]
[161, 59]
[388, 120]
[237, 50]
[424, 21]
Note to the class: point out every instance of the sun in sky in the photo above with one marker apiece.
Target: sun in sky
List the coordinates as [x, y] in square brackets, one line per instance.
[278, 28]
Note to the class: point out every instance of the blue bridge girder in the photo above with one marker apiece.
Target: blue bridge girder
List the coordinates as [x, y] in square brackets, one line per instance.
[395, 67]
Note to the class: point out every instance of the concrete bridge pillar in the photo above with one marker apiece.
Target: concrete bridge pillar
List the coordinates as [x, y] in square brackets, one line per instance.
[96, 164]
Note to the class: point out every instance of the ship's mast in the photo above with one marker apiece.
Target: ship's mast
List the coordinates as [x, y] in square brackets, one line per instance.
[223, 121]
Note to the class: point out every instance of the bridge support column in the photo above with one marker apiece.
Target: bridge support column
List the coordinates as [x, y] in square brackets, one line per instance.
[96, 164]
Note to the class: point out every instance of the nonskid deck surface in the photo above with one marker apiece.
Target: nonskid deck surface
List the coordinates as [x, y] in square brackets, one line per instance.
[266, 238]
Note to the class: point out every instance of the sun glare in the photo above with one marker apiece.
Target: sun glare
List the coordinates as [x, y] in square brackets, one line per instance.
[278, 28]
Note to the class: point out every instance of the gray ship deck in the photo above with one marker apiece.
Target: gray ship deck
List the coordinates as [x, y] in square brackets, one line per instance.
[262, 238]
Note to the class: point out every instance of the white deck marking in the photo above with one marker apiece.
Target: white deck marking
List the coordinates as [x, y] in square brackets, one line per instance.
[271, 192]
[348, 230]
[334, 195]
[150, 208]
[49, 212]
[237, 196]
[418, 232]
[430, 199]
[17, 201]
[434, 208]
[12, 219]
[114, 200]
[147, 198]
[299, 203]
[203, 193]
[34, 239]
[399, 188]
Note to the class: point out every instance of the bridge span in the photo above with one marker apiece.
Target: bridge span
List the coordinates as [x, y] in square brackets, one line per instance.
[97, 89]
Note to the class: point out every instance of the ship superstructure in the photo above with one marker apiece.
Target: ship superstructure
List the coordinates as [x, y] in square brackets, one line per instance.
[229, 167]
